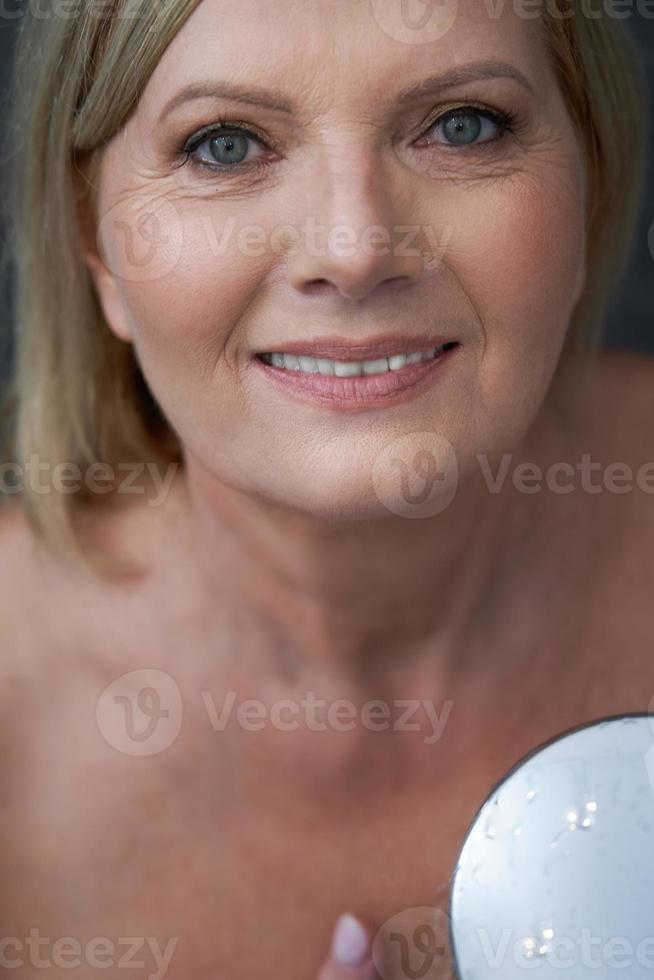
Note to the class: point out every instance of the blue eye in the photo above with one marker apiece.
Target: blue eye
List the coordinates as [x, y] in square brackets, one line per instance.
[463, 126]
[227, 148]
[232, 147]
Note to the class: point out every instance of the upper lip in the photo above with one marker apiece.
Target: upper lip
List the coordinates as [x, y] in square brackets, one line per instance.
[368, 348]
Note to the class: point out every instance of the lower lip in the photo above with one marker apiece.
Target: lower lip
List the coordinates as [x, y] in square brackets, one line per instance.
[361, 392]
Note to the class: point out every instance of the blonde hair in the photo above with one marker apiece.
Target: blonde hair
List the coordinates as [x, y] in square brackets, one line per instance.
[77, 393]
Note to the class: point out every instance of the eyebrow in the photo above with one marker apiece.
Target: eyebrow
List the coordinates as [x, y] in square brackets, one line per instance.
[276, 101]
[479, 70]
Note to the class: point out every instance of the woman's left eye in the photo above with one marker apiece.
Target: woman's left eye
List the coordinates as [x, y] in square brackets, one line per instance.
[468, 126]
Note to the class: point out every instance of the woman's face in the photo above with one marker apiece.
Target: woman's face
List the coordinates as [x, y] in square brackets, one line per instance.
[355, 214]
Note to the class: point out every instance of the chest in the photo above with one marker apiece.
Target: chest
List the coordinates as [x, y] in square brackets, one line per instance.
[231, 845]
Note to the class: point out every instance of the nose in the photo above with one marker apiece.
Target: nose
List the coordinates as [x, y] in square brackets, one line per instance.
[349, 240]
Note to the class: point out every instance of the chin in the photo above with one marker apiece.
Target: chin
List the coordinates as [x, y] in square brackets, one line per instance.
[415, 475]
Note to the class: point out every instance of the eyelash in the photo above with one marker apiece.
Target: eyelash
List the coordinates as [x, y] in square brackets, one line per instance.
[506, 121]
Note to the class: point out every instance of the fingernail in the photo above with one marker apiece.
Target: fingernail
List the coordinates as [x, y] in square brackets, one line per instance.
[350, 943]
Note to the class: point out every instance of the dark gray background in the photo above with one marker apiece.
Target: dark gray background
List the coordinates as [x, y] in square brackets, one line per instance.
[631, 320]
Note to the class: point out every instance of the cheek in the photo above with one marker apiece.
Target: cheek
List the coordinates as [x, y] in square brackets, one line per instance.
[202, 276]
[517, 252]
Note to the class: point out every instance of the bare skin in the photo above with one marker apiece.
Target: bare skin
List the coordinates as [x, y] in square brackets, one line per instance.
[273, 570]
[246, 846]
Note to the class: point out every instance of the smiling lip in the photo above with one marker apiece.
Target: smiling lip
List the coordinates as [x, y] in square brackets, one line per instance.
[361, 392]
[372, 348]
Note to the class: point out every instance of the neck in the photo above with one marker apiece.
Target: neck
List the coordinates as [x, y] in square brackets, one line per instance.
[363, 596]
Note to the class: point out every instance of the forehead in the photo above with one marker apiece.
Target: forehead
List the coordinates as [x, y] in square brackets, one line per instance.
[322, 52]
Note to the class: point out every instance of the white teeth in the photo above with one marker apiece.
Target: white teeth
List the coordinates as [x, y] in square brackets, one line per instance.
[348, 369]
[308, 364]
[375, 367]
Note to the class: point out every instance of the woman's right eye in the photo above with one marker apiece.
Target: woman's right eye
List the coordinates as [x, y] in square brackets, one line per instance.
[226, 149]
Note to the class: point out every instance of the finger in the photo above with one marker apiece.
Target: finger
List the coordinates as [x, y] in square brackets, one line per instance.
[350, 955]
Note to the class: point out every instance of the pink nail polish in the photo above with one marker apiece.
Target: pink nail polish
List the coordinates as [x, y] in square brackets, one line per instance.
[350, 944]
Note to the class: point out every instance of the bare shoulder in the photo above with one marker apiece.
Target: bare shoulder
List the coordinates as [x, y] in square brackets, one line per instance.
[44, 596]
[23, 602]
[617, 441]
[16, 547]
[50, 603]
[619, 365]
[22, 625]
[619, 404]
[129, 527]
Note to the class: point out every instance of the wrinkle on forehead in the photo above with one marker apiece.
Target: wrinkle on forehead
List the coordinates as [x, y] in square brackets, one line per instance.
[346, 59]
